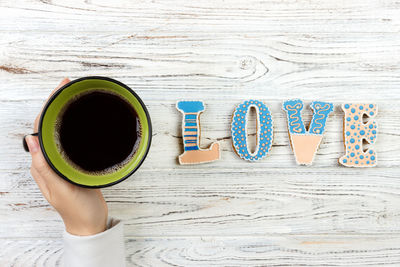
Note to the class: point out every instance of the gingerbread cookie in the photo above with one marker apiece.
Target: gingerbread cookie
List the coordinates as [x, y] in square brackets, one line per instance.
[305, 143]
[193, 154]
[355, 131]
[264, 130]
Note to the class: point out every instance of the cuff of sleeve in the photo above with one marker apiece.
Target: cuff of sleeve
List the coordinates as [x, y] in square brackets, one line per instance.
[103, 249]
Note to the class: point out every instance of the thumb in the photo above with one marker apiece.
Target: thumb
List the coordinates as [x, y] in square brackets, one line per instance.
[33, 144]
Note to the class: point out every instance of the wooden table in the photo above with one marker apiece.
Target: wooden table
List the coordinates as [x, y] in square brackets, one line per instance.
[230, 212]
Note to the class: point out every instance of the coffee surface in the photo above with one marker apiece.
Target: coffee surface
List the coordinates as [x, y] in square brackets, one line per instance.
[98, 131]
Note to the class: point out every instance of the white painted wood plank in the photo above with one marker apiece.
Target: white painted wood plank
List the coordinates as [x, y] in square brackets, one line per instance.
[225, 203]
[212, 68]
[220, 52]
[233, 251]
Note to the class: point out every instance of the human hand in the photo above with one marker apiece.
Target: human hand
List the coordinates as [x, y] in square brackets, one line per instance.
[83, 210]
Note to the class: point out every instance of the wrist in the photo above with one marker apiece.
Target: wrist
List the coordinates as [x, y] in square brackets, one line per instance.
[84, 229]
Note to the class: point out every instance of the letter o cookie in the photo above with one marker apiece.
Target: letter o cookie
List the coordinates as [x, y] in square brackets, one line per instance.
[264, 130]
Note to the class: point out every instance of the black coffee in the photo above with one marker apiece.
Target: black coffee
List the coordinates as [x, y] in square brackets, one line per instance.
[98, 131]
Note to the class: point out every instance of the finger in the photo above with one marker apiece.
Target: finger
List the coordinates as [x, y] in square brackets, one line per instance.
[39, 163]
[41, 183]
[47, 180]
[37, 169]
[63, 82]
[33, 144]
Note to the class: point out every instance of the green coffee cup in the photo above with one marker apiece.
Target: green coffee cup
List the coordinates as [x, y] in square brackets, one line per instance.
[47, 128]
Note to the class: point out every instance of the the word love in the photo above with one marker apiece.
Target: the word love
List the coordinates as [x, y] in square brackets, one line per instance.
[359, 127]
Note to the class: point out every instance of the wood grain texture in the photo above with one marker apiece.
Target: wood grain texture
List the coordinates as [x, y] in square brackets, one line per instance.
[229, 251]
[230, 212]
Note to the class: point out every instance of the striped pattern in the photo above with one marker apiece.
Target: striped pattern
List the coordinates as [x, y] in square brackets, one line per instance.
[190, 136]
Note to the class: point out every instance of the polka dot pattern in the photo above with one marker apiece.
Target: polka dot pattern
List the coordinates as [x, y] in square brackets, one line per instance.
[355, 131]
[264, 130]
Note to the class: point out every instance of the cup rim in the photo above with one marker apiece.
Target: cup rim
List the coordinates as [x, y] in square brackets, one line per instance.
[54, 96]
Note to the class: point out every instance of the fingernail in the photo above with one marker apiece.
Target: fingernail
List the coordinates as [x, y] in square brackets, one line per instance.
[32, 143]
[63, 82]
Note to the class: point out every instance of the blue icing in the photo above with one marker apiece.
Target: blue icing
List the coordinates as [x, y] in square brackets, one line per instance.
[191, 117]
[191, 129]
[190, 106]
[190, 122]
[295, 122]
[239, 132]
[191, 148]
[321, 113]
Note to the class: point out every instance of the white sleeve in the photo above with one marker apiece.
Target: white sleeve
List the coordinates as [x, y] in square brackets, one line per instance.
[100, 250]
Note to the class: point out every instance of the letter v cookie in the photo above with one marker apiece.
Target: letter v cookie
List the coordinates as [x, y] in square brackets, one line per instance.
[305, 143]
